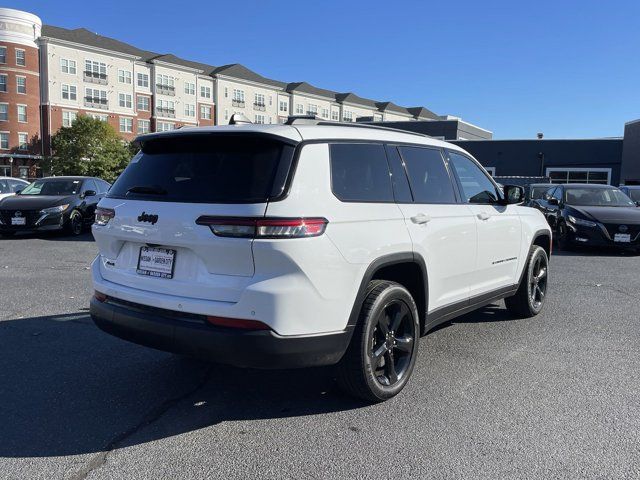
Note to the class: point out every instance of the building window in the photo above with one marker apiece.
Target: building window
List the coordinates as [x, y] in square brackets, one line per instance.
[299, 108]
[325, 113]
[3, 83]
[259, 119]
[97, 116]
[20, 58]
[94, 97]
[23, 141]
[95, 69]
[347, 116]
[143, 103]
[124, 99]
[21, 84]
[126, 125]
[335, 116]
[284, 106]
[23, 172]
[205, 112]
[22, 113]
[226, 92]
[189, 110]
[166, 108]
[165, 126]
[69, 92]
[165, 84]
[124, 76]
[144, 126]
[189, 88]
[579, 175]
[3, 54]
[226, 114]
[312, 109]
[205, 92]
[4, 140]
[143, 80]
[259, 100]
[68, 118]
[238, 98]
[68, 66]
[4, 112]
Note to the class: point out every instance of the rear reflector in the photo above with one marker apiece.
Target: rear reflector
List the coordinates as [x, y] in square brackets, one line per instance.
[101, 297]
[264, 227]
[237, 323]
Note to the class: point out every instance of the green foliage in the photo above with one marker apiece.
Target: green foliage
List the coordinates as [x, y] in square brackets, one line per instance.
[88, 147]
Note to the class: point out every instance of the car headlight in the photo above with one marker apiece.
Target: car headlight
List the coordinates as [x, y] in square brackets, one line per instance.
[580, 221]
[58, 209]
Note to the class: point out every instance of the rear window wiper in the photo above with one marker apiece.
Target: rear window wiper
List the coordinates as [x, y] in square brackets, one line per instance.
[148, 190]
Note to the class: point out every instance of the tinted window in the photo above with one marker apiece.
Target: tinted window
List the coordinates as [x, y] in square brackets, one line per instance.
[597, 197]
[399, 180]
[103, 187]
[428, 176]
[16, 185]
[53, 187]
[476, 186]
[206, 169]
[4, 187]
[360, 173]
[89, 185]
[634, 194]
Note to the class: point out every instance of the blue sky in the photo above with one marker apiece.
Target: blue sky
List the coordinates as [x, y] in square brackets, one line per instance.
[570, 69]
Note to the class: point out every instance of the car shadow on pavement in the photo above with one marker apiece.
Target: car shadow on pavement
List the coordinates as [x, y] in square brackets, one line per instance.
[67, 388]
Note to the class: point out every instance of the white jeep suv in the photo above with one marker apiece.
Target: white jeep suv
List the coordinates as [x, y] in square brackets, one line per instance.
[310, 243]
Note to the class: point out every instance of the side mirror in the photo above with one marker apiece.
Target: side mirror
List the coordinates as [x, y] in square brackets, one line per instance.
[553, 201]
[18, 192]
[513, 194]
[89, 193]
[638, 203]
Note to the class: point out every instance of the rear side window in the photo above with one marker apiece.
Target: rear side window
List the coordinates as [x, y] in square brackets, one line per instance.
[428, 175]
[207, 169]
[360, 173]
[476, 185]
[89, 184]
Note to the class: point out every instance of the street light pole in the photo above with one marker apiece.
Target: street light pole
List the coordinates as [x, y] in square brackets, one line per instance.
[11, 166]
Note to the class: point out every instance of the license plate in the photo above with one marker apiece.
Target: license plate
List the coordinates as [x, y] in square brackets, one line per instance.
[622, 237]
[18, 221]
[156, 262]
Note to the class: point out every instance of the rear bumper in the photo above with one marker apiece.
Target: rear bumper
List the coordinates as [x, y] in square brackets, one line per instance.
[173, 332]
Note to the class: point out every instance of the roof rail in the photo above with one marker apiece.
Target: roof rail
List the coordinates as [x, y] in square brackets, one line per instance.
[302, 120]
[314, 120]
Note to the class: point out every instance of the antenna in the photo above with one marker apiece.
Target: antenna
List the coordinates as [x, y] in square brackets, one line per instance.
[239, 119]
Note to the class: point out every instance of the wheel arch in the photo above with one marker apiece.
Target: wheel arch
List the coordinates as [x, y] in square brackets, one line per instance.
[406, 268]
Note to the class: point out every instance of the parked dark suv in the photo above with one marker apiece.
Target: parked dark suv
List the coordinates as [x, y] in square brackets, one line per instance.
[633, 192]
[587, 214]
[54, 203]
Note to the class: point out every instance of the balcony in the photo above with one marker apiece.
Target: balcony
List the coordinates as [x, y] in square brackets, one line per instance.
[96, 102]
[166, 89]
[261, 107]
[95, 77]
[237, 103]
[165, 112]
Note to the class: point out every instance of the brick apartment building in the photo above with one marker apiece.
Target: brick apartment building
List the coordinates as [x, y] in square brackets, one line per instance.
[50, 75]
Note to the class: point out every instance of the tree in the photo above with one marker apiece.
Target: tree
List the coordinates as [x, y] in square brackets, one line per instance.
[89, 147]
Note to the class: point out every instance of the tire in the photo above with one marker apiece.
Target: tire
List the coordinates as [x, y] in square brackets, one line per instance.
[532, 292]
[74, 224]
[388, 328]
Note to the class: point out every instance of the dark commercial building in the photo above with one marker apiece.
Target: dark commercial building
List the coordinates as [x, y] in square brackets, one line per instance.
[444, 127]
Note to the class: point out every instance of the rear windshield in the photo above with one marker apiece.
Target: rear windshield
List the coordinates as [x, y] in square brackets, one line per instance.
[206, 169]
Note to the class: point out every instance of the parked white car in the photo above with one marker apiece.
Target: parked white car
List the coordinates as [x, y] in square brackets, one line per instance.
[307, 244]
[9, 186]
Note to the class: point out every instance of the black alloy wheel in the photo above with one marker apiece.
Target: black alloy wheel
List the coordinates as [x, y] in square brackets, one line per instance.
[392, 343]
[383, 349]
[75, 223]
[538, 281]
[532, 292]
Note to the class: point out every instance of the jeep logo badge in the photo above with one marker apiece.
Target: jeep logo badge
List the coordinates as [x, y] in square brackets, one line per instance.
[145, 217]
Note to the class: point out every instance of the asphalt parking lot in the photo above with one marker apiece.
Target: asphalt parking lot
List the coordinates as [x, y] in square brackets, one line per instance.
[557, 396]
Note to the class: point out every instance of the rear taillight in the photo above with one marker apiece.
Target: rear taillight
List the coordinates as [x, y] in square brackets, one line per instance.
[103, 215]
[264, 227]
[237, 323]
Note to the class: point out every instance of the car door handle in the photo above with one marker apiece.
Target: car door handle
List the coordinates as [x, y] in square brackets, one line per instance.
[421, 218]
[484, 216]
